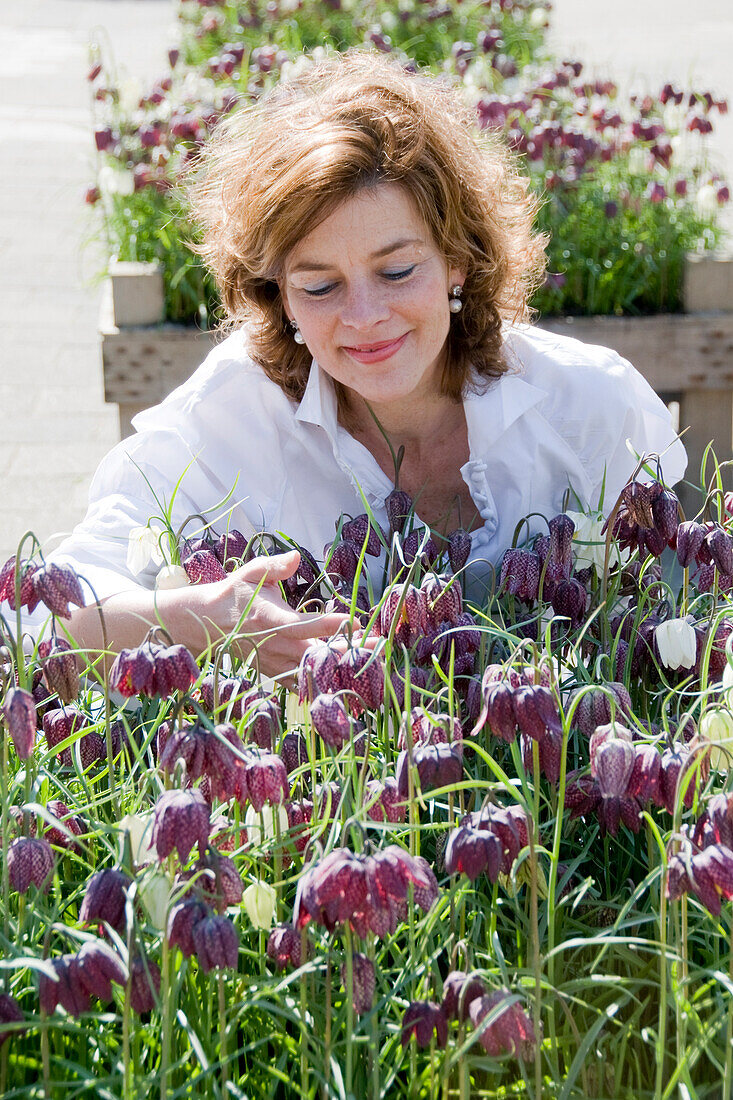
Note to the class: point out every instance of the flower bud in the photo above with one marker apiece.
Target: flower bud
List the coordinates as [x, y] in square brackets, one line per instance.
[19, 711]
[259, 900]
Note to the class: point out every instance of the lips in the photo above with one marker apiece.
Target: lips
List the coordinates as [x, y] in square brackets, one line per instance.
[375, 353]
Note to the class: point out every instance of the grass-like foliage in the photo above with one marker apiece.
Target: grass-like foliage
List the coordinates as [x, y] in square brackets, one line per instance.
[488, 853]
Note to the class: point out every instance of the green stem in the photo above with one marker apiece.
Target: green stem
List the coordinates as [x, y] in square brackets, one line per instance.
[728, 1072]
[222, 1033]
[165, 1005]
[349, 1009]
[662, 1025]
[536, 960]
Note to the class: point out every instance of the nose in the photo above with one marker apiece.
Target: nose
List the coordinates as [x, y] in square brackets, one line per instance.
[364, 305]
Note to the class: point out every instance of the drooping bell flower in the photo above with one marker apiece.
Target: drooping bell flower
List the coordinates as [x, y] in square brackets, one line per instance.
[260, 901]
[19, 711]
[676, 644]
[284, 946]
[363, 980]
[264, 779]
[69, 826]
[316, 670]
[459, 549]
[569, 599]
[428, 728]
[420, 542]
[60, 668]
[203, 567]
[30, 863]
[98, 966]
[182, 819]
[437, 765]
[264, 723]
[676, 762]
[342, 562]
[58, 586]
[293, 751]
[424, 1021]
[144, 985]
[361, 529]
[383, 801]
[599, 704]
[404, 609]
[105, 898]
[399, 506]
[360, 671]
[510, 1032]
[497, 712]
[10, 1013]
[614, 765]
[443, 598]
[230, 548]
[690, 538]
[459, 990]
[66, 988]
[715, 826]
[707, 874]
[331, 720]
[182, 920]
[217, 944]
[28, 596]
[520, 574]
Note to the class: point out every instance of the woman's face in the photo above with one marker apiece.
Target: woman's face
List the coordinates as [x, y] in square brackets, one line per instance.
[369, 291]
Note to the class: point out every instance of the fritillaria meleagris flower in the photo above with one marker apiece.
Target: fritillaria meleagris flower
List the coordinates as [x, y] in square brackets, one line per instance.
[10, 1013]
[715, 826]
[66, 988]
[569, 599]
[424, 1021]
[293, 751]
[510, 1031]
[383, 801]
[487, 841]
[420, 542]
[264, 723]
[437, 765]
[260, 902]
[215, 754]
[30, 863]
[717, 660]
[19, 711]
[182, 919]
[28, 596]
[331, 720]
[58, 586]
[599, 704]
[520, 574]
[182, 819]
[224, 691]
[708, 874]
[363, 980]
[60, 724]
[399, 506]
[342, 561]
[444, 600]
[60, 668]
[144, 984]
[427, 728]
[105, 898]
[230, 548]
[218, 880]
[360, 671]
[98, 966]
[263, 779]
[361, 529]
[690, 539]
[418, 679]
[284, 946]
[152, 669]
[404, 609]
[677, 762]
[203, 567]
[459, 990]
[216, 942]
[497, 711]
[316, 670]
[459, 549]
[614, 765]
[647, 518]
[68, 825]
[369, 892]
[676, 644]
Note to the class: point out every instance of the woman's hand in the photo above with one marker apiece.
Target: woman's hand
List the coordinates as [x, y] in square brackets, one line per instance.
[250, 596]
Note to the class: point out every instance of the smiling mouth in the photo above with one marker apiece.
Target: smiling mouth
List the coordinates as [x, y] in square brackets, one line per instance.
[373, 347]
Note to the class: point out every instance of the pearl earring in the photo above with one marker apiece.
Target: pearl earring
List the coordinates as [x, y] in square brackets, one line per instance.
[455, 305]
[297, 334]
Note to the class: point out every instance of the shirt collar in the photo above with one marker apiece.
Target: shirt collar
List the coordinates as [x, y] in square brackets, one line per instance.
[488, 414]
[318, 405]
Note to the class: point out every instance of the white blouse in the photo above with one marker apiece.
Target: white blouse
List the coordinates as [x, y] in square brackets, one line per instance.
[230, 444]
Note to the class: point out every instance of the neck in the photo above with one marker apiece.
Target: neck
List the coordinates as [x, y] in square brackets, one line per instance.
[410, 424]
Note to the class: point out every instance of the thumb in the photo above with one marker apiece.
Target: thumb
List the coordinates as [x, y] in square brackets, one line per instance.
[271, 570]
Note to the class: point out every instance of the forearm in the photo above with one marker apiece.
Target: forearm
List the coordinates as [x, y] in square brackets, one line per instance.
[128, 616]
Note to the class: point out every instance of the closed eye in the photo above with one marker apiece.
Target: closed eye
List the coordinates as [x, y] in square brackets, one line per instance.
[392, 276]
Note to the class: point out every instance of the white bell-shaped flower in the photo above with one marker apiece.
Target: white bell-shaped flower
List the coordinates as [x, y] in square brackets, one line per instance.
[677, 643]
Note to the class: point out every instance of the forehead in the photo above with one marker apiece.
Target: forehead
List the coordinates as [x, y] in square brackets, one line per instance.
[365, 225]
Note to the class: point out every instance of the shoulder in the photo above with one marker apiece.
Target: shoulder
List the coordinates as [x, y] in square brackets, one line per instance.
[576, 378]
[229, 384]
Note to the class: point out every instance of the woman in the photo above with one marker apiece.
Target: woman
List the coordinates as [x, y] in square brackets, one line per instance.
[375, 261]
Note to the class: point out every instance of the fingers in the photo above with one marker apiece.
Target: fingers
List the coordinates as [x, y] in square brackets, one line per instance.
[277, 568]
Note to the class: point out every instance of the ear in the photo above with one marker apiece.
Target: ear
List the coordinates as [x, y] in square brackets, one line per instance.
[456, 276]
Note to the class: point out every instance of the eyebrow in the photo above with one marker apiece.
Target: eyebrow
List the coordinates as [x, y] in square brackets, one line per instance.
[311, 265]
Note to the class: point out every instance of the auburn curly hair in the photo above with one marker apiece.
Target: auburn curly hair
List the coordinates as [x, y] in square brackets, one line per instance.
[274, 171]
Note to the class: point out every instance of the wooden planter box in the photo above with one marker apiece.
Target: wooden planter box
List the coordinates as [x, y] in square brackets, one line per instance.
[687, 358]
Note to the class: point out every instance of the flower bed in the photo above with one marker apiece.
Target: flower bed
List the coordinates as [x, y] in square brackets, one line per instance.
[625, 187]
[492, 856]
